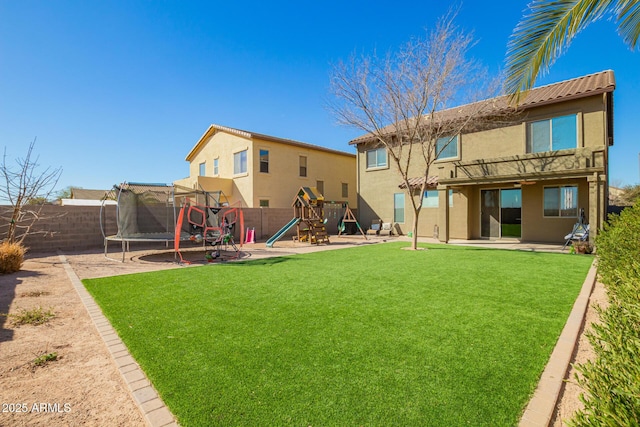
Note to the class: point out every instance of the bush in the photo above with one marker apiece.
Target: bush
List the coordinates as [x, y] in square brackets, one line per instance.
[612, 381]
[581, 247]
[11, 257]
[35, 316]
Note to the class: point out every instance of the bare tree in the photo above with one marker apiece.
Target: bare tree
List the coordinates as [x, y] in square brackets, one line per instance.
[629, 196]
[26, 190]
[401, 101]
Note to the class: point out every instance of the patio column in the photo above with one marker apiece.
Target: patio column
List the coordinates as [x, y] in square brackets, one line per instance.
[597, 203]
[443, 213]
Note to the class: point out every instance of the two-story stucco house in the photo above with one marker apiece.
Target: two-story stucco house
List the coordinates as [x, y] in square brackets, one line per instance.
[527, 179]
[266, 171]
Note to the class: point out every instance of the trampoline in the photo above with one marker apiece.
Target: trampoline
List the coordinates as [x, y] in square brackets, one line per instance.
[149, 212]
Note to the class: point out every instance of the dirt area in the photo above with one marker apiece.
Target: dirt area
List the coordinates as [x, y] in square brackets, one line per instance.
[569, 397]
[83, 385]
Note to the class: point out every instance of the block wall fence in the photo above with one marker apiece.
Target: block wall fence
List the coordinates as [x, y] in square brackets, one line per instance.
[77, 228]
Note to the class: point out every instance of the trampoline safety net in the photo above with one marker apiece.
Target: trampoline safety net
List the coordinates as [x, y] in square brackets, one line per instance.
[148, 212]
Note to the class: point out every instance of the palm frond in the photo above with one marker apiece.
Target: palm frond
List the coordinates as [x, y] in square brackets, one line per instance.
[628, 12]
[543, 35]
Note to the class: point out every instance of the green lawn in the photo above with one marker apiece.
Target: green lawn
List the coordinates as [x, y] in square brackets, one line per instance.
[371, 335]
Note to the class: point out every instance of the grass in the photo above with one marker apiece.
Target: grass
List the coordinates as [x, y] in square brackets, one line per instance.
[511, 230]
[371, 335]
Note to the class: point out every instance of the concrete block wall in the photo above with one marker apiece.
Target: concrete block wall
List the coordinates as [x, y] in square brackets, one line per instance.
[271, 220]
[77, 228]
[68, 228]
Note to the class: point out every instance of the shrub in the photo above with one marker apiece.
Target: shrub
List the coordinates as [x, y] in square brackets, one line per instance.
[612, 381]
[11, 257]
[45, 358]
[582, 247]
[35, 316]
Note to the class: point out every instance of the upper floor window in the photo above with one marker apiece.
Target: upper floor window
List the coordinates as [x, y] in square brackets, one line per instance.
[216, 171]
[345, 189]
[561, 201]
[303, 166]
[376, 158]
[202, 168]
[447, 147]
[558, 133]
[240, 162]
[264, 161]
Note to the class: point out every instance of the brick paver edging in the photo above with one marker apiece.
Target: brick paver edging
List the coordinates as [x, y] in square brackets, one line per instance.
[156, 414]
[540, 409]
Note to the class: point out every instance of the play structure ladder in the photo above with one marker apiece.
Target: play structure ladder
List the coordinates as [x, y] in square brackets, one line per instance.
[318, 232]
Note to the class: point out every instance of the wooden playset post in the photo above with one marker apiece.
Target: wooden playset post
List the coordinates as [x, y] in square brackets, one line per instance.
[349, 217]
[308, 208]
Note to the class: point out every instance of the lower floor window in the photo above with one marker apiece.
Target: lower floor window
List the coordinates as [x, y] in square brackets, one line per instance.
[398, 207]
[430, 199]
[561, 201]
[264, 203]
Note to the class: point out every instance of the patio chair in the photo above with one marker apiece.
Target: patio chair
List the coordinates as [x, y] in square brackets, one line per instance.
[580, 232]
[376, 224]
[386, 229]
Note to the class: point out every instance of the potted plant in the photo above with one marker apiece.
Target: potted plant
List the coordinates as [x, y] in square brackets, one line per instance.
[582, 247]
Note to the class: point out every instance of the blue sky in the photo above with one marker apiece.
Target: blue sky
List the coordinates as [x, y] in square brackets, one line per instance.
[122, 90]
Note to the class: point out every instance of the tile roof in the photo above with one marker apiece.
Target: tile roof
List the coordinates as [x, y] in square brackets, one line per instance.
[579, 87]
[432, 182]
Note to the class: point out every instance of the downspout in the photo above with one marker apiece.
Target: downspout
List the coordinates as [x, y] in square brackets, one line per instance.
[358, 183]
[608, 142]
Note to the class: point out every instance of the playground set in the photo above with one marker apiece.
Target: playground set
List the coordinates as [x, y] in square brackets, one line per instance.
[192, 217]
[309, 220]
[349, 218]
[170, 213]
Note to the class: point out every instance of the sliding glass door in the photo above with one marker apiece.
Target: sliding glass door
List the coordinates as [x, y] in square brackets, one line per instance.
[501, 213]
[511, 213]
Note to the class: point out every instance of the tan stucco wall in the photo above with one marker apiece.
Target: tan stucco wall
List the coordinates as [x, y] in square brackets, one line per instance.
[537, 227]
[280, 185]
[511, 140]
[222, 145]
[497, 158]
[377, 197]
[502, 151]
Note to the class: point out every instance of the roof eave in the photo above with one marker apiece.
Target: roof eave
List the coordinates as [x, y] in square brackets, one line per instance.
[609, 87]
[213, 128]
[200, 143]
[571, 97]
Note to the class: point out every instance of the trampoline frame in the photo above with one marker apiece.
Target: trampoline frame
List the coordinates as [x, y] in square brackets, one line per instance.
[167, 237]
